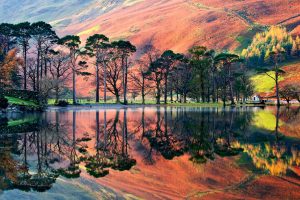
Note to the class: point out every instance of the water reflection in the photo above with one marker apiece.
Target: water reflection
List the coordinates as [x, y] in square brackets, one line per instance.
[36, 149]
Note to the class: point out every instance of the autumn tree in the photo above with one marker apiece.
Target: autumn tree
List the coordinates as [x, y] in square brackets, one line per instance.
[9, 69]
[264, 43]
[289, 92]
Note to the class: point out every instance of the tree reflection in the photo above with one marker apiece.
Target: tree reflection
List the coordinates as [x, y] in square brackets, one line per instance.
[167, 144]
[49, 145]
[72, 171]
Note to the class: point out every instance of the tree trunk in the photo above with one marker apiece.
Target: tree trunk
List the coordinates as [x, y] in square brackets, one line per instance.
[56, 94]
[208, 94]
[41, 63]
[143, 90]
[166, 89]
[74, 87]
[157, 93]
[118, 98]
[97, 83]
[25, 67]
[124, 70]
[202, 92]
[46, 67]
[171, 93]
[38, 70]
[231, 94]
[105, 85]
[277, 87]
[214, 84]
[230, 87]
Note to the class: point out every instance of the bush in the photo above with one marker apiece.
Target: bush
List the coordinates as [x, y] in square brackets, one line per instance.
[3, 103]
[62, 103]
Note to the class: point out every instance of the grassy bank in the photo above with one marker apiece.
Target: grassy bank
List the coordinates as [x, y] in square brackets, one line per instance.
[20, 102]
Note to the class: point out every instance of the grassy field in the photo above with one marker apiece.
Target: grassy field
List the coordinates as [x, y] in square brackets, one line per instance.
[263, 83]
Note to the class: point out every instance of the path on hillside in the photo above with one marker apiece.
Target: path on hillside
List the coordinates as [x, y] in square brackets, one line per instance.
[247, 21]
[288, 19]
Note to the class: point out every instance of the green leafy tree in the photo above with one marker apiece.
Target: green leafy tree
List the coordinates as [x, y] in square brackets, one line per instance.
[201, 62]
[124, 49]
[226, 60]
[98, 47]
[23, 34]
[168, 61]
[276, 57]
[44, 36]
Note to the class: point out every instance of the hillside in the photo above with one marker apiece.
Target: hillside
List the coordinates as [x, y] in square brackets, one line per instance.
[217, 24]
[60, 14]
[176, 24]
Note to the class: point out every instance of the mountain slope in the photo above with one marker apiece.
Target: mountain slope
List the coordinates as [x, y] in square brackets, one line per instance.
[179, 24]
[60, 13]
[176, 24]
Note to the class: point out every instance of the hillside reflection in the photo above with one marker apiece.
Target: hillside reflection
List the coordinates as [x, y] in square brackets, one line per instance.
[36, 150]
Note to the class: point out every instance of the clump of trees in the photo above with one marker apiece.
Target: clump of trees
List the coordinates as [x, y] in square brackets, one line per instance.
[33, 57]
[36, 58]
[290, 92]
[275, 38]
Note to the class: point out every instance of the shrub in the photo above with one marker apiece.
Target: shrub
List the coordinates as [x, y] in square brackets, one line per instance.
[62, 103]
[3, 103]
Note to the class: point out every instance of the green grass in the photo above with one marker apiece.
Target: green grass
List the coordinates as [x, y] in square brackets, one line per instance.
[21, 102]
[193, 104]
[51, 102]
[263, 83]
[137, 102]
[21, 121]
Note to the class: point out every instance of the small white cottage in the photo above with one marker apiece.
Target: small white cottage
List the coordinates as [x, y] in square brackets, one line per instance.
[256, 98]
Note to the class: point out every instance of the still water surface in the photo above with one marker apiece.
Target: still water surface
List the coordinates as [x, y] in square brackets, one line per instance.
[151, 153]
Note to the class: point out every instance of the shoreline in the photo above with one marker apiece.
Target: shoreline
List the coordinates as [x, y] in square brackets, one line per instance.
[121, 106]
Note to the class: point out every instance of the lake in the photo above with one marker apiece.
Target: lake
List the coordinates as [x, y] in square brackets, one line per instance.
[151, 153]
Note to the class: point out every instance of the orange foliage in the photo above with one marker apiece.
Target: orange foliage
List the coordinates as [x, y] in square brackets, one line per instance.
[9, 65]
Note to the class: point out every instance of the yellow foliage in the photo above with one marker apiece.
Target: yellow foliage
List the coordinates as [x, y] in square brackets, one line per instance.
[270, 157]
[276, 38]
